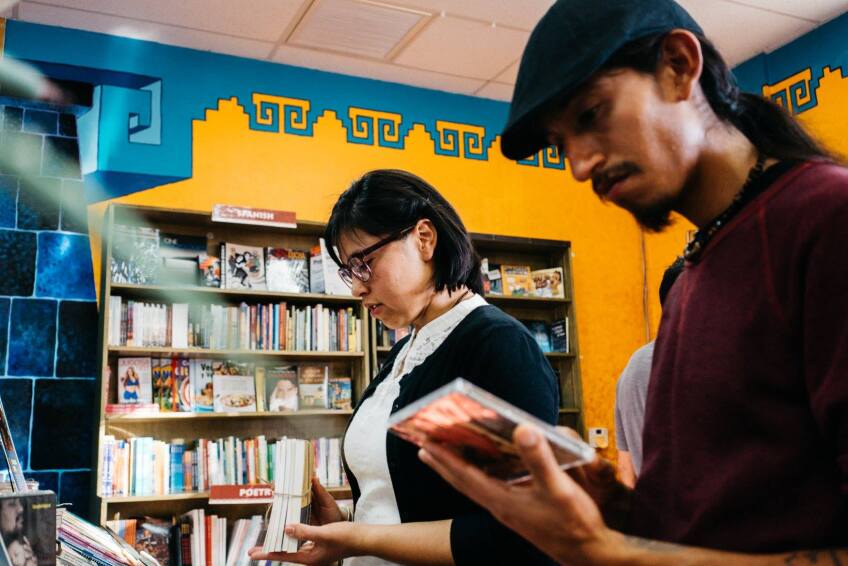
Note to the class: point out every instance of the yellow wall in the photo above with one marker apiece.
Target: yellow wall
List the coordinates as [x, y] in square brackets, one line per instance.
[234, 164]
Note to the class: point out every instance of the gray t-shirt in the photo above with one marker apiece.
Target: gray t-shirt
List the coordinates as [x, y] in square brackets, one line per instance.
[631, 392]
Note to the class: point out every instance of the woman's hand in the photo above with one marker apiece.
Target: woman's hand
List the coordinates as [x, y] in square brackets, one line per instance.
[325, 510]
[326, 544]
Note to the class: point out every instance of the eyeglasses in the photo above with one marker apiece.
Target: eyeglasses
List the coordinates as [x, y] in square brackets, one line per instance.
[357, 266]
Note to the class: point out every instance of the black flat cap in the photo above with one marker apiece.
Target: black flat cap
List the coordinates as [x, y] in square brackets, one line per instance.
[570, 44]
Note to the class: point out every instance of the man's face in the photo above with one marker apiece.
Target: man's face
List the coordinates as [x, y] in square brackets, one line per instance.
[633, 136]
[11, 516]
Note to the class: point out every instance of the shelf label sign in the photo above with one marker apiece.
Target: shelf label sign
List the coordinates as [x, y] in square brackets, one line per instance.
[239, 494]
[257, 216]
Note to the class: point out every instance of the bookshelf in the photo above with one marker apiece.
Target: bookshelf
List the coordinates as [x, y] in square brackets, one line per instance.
[537, 254]
[166, 426]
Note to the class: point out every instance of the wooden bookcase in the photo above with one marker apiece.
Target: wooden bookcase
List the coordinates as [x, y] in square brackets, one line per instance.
[538, 254]
[190, 426]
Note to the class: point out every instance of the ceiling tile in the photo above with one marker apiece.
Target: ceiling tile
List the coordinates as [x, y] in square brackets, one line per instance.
[159, 33]
[464, 48]
[510, 75]
[496, 91]
[518, 13]
[816, 10]
[375, 70]
[264, 20]
[741, 32]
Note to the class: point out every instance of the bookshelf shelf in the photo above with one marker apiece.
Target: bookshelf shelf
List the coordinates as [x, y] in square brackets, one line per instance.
[383, 349]
[166, 417]
[569, 411]
[559, 354]
[205, 353]
[495, 299]
[195, 292]
[196, 226]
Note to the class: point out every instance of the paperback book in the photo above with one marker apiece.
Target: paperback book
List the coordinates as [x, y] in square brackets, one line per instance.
[340, 393]
[516, 280]
[281, 388]
[548, 283]
[312, 386]
[201, 379]
[478, 427]
[29, 527]
[541, 333]
[135, 255]
[292, 493]
[134, 382]
[287, 270]
[234, 387]
[178, 254]
[244, 267]
[210, 270]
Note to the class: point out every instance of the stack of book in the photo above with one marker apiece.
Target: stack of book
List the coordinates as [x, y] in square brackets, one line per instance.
[145, 466]
[267, 327]
[294, 459]
[83, 544]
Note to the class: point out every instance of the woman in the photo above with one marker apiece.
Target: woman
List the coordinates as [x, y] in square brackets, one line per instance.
[405, 252]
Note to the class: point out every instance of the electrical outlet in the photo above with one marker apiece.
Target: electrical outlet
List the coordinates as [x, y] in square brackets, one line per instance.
[598, 437]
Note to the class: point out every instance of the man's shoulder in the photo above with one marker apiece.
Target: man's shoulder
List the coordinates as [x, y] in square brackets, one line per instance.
[813, 183]
[637, 372]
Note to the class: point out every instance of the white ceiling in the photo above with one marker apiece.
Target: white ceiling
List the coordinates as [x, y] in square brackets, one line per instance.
[465, 46]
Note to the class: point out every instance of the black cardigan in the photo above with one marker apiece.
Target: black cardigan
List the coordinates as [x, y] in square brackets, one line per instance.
[493, 350]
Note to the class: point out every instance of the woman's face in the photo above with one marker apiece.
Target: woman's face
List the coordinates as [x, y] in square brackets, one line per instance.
[401, 282]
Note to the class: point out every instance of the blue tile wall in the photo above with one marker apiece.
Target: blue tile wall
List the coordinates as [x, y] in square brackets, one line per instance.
[32, 337]
[64, 266]
[48, 317]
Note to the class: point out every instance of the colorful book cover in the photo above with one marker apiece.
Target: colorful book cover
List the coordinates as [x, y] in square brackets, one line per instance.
[201, 379]
[153, 536]
[167, 400]
[245, 267]
[312, 386]
[541, 333]
[548, 283]
[516, 280]
[134, 380]
[29, 527]
[234, 387]
[210, 270]
[281, 391]
[182, 382]
[559, 335]
[341, 393]
[135, 255]
[287, 270]
[178, 255]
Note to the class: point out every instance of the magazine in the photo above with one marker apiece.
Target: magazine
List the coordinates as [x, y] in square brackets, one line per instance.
[286, 270]
[29, 527]
[134, 382]
[548, 283]
[245, 267]
[478, 426]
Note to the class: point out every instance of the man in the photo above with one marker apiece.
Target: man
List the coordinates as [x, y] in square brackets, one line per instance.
[631, 392]
[746, 425]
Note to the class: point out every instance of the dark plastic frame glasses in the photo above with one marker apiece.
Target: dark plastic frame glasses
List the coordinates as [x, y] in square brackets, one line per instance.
[356, 265]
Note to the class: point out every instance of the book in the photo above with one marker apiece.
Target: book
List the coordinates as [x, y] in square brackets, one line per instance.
[294, 458]
[201, 380]
[244, 267]
[312, 386]
[548, 283]
[182, 383]
[516, 280]
[178, 254]
[324, 273]
[29, 527]
[340, 393]
[541, 333]
[234, 387]
[559, 336]
[210, 270]
[281, 388]
[286, 270]
[135, 255]
[134, 381]
[478, 427]
[153, 536]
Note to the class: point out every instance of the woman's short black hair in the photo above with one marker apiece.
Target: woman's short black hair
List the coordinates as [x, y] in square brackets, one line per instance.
[387, 201]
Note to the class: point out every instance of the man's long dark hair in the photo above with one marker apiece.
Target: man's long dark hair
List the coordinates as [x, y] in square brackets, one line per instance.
[772, 130]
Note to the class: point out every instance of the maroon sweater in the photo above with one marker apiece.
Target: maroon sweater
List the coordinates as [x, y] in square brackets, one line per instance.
[746, 427]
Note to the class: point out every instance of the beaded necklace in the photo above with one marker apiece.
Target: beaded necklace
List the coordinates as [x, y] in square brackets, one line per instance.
[748, 191]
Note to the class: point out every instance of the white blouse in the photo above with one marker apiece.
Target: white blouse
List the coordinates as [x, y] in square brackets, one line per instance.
[365, 441]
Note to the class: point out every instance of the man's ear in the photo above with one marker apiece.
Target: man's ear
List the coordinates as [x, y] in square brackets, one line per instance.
[681, 63]
[425, 238]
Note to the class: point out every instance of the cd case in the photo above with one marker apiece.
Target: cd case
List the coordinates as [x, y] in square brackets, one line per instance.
[478, 427]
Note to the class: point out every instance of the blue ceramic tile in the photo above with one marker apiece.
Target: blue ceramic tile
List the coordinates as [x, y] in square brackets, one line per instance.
[46, 480]
[17, 401]
[59, 402]
[8, 200]
[74, 211]
[41, 121]
[68, 125]
[64, 266]
[61, 158]
[75, 488]
[5, 305]
[32, 337]
[76, 351]
[18, 249]
[12, 118]
[38, 204]
[24, 151]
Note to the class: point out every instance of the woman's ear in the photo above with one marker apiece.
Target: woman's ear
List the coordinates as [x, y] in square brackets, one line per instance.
[425, 238]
